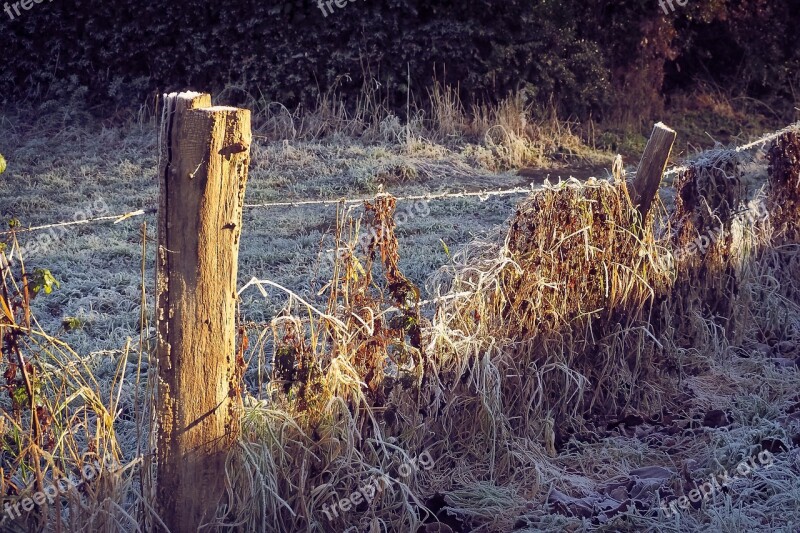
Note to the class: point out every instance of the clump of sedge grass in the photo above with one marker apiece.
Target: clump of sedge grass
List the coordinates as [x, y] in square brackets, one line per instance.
[578, 314]
[57, 420]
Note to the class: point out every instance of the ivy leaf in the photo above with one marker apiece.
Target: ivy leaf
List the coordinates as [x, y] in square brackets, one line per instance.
[43, 279]
[20, 396]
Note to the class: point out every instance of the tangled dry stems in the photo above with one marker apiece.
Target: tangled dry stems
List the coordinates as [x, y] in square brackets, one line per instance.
[581, 312]
[579, 315]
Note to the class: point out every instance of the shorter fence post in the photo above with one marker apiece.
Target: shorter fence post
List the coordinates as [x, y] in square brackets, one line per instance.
[651, 168]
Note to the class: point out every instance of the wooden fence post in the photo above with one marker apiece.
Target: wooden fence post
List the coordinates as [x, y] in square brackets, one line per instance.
[651, 168]
[205, 152]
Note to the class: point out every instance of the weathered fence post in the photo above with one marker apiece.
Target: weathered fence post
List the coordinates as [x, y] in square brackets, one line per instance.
[205, 153]
[652, 166]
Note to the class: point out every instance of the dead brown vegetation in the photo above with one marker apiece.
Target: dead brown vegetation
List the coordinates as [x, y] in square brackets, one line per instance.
[581, 314]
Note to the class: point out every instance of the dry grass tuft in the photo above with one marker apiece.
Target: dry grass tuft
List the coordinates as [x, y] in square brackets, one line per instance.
[580, 315]
[710, 200]
[564, 358]
[784, 172]
[571, 295]
[509, 135]
[60, 448]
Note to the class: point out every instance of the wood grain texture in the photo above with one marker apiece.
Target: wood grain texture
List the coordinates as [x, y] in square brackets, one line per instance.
[203, 171]
[651, 168]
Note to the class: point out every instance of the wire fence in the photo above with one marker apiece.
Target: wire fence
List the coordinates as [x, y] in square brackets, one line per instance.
[482, 194]
[743, 148]
[116, 218]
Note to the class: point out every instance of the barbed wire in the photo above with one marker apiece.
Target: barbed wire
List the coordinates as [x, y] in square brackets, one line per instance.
[483, 194]
[116, 218]
[765, 139]
[263, 284]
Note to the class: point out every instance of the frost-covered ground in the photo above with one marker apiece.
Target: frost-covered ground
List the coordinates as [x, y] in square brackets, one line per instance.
[60, 169]
[65, 172]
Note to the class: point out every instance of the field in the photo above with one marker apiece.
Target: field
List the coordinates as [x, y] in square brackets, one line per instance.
[587, 441]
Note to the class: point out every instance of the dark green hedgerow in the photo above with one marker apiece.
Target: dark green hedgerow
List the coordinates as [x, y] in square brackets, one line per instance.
[590, 58]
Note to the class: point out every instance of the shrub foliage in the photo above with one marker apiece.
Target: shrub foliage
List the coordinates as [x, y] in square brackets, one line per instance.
[586, 57]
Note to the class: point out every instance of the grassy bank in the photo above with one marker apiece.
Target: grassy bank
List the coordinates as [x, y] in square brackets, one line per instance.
[523, 435]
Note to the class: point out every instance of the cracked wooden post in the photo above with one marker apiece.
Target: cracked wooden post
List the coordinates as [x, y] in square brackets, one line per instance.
[205, 152]
[651, 168]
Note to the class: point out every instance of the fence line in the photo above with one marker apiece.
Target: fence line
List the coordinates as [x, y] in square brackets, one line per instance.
[116, 218]
[483, 195]
[766, 138]
[260, 284]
